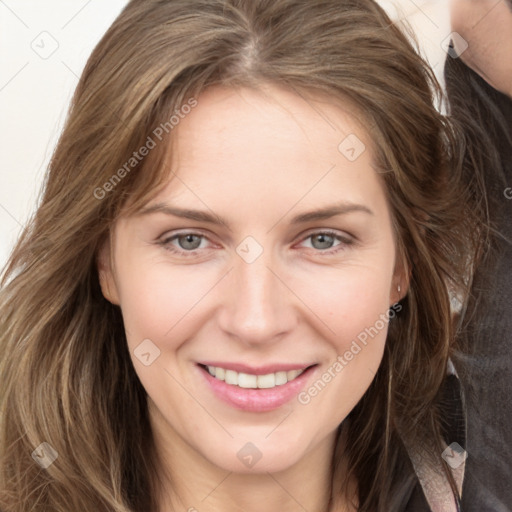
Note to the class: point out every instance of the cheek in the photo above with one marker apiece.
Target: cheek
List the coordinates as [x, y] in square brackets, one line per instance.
[158, 298]
[359, 318]
[159, 304]
[348, 300]
[361, 325]
[355, 305]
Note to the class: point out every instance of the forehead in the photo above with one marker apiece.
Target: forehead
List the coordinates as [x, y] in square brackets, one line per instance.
[261, 155]
[270, 118]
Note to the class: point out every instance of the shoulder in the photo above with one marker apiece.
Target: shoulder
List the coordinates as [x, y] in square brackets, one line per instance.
[433, 491]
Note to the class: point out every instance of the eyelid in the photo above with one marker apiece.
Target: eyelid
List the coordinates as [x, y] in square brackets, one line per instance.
[344, 239]
[328, 231]
[166, 239]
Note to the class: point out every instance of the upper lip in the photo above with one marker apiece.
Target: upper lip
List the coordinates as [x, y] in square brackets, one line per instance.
[256, 370]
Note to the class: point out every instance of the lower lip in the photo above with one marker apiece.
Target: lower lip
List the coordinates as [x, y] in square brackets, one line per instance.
[256, 400]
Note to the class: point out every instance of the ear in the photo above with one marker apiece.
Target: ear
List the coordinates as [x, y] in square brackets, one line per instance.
[401, 279]
[104, 263]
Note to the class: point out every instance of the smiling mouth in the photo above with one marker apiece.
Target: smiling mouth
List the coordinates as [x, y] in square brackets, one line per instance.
[251, 381]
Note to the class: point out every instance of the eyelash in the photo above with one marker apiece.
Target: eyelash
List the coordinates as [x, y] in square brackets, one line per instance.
[344, 242]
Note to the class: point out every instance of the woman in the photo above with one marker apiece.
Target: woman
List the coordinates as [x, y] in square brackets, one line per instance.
[235, 293]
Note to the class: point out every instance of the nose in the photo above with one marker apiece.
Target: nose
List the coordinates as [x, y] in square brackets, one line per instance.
[258, 306]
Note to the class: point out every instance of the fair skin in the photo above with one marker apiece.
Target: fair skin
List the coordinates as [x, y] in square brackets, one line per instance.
[257, 160]
[486, 26]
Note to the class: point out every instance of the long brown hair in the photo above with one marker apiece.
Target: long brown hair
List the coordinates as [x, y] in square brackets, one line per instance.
[66, 377]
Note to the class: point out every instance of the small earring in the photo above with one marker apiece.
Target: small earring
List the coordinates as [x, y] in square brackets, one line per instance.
[399, 289]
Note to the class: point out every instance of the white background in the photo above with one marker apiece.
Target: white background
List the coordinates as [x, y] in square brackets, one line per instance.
[35, 87]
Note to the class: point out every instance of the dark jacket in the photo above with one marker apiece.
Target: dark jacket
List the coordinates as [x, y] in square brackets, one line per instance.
[431, 491]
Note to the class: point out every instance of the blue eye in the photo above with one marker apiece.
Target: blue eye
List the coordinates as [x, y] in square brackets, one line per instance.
[322, 242]
[187, 243]
[325, 240]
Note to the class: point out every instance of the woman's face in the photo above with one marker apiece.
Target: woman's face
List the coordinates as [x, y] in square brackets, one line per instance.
[299, 276]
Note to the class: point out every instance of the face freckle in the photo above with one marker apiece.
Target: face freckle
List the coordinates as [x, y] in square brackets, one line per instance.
[302, 263]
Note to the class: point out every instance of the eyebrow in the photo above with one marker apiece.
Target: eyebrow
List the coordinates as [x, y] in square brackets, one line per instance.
[327, 212]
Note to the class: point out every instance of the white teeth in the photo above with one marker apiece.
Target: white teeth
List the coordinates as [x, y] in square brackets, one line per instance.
[267, 381]
[249, 381]
[246, 380]
[231, 377]
[292, 374]
[281, 378]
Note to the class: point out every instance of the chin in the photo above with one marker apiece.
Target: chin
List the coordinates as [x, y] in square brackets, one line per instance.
[255, 455]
